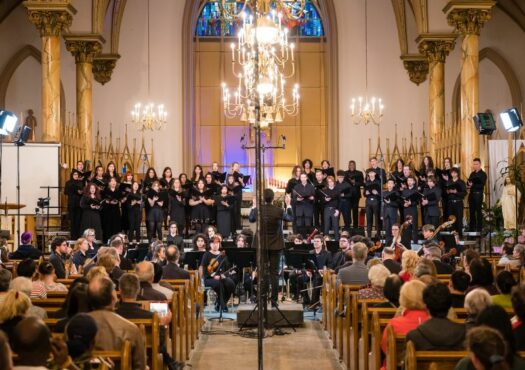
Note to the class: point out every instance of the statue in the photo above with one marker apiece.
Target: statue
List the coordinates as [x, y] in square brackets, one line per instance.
[31, 122]
[508, 204]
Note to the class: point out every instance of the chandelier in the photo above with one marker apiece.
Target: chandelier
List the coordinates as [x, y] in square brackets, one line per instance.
[366, 110]
[262, 61]
[149, 116]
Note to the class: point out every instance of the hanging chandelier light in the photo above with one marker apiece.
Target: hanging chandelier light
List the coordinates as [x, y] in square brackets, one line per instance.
[149, 116]
[262, 60]
[363, 109]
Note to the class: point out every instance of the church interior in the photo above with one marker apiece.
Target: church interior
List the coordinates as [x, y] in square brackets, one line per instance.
[277, 184]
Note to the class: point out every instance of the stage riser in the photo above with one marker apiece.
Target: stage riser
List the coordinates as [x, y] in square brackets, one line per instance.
[293, 312]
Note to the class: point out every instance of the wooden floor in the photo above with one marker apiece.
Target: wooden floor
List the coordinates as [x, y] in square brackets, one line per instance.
[308, 348]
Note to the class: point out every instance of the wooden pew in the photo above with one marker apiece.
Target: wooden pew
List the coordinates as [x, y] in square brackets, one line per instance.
[186, 322]
[366, 329]
[151, 332]
[121, 359]
[422, 360]
[378, 326]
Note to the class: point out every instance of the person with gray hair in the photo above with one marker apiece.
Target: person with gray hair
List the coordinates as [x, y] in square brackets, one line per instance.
[377, 275]
[146, 273]
[5, 280]
[357, 272]
[475, 302]
[433, 253]
[25, 285]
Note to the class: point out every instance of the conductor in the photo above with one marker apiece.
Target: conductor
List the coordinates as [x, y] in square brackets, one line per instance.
[272, 234]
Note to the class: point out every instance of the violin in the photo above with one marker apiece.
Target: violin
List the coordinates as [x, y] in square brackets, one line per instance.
[398, 247]
[375, 247]
[214, 264]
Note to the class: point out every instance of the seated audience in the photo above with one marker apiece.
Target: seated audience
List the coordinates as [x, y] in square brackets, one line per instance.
[390, 263]
[437, 333]
[357, 272]
[467, 256]
[5, 281]
[425, 270]
[76, 302]
[475, 302]
[25, 249]
[59, 251]
[458, 285]
[433, 253]
[26, 268]
[414, 312]
[409, 261]
[24, 285]
[110, 264]
[46, 282]
[90, 236]
[482, 276]
[172, 269]
[511, 255]
[518, 327]
[62, 312]
[96, 272]
[4, 251]
[145, 272]
[12, 311]
[118, 243]
[391, 291]
[377, 276]
[159, 254]
[6, 356]
[487, 350]
[113, 329]
[504, 283]
[158, 285]
[80, 337]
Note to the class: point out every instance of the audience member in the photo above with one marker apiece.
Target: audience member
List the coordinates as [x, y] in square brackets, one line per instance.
[487, 350]
[46, 281]
[390, 263]
[6, 356]
[26, 268]
[357, 273]
[438, 332]
[125, 263]
[5, 281]
[96, 272]
[158, 285]
[25, 249]
[433, 253]
[159, 254]
[482, 276]
[13, 310]
[518, 327]
[467, 257]
[512, 255]
[113, 329]
[391, 291]
[58, 256]
[424, 267]
[76, 302]
[172, 269]
[4, 253]
[458, 284]
[80, 335]
[475, 301]
[409, 261]
[24, 285]
[128, 307]
[377, 276]
[504, 283]
[145, 272]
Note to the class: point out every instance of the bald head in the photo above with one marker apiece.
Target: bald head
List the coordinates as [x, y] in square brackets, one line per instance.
[145, 271]
[31, 342]
[101, 294]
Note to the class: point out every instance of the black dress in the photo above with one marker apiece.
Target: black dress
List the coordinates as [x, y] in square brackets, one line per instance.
[155, 216]
[125, 189]
[178, 200]
[90, 216]
[73, 191]
[224, 214]
[134, 213]
[236, 191]
[223, 287]
[111, 213]
[200, 213]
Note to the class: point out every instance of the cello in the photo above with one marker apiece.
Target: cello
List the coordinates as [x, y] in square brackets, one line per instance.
[398, 247]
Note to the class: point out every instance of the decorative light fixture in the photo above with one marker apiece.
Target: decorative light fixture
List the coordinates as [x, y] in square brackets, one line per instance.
[365, 110]
[262, 60]
[149, 116]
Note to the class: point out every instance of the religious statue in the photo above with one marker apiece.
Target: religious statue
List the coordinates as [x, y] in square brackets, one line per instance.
[31, 122]
[508, 203]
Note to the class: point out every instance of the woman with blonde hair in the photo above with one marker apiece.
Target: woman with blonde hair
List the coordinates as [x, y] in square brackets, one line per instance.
[96, 272]
[409, 260]
[13, 309]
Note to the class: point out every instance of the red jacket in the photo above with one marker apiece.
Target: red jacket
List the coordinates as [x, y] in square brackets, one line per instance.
[405, 323]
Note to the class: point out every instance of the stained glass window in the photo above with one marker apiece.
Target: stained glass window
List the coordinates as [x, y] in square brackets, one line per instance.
[210, 24]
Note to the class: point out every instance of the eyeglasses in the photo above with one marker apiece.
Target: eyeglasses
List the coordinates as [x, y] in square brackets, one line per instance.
[90, 234]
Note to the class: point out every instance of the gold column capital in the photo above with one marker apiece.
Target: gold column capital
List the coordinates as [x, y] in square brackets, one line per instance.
[103, 66]
[469, 16]
[436, 47]
[84, 47]
[416, 66]
[51, 17]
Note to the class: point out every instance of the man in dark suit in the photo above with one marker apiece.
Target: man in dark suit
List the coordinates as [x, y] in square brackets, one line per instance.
[172, 269]
[272, 234]
[388, 255]
[58, 256]
[145, 271]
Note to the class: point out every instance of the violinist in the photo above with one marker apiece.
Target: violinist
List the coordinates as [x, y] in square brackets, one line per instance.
[214, 266]
[391, 200]
[155, 215]
[321, 260]
[90, 204]
[178, 199]
[304, 196]
[73, 190]
[134, 211]
[410, 202]
[456, 191]
[430, 202]
[372, 193]
[356, 180]
[397, 242]
[428, 232]
[111, 210]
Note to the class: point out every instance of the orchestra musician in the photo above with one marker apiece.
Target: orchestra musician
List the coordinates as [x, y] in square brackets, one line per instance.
[340, 257]
[456, 190]
[410, 202]
[321, 260]
[372, 192]
[155, 215]
[476, 183]
[304, 196]
[391, 200]
[430, 202]
[90, 204]
[73, 190]
[356, 180]
[214, 266]
[345, 190]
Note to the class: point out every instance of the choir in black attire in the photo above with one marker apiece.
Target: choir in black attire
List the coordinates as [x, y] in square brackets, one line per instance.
[73, 190]
[476, 181]
[304, 197]
[356, 180]
[456, 190]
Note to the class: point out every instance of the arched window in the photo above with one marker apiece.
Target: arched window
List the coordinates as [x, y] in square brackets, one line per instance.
[210, 24]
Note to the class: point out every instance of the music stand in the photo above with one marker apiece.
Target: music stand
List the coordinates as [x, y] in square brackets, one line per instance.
[332, 246]
[241, 257]
[192, 259]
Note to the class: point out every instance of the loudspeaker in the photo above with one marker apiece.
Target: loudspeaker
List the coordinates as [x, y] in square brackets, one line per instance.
[485, 123]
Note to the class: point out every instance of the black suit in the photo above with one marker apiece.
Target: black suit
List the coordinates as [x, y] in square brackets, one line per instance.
[172, 271]
[442, 267]
[393, 266]
[438, 334]
[272, 231]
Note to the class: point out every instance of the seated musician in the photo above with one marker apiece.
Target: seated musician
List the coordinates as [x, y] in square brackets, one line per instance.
[397, 242]
[314, 273]
[214, 266]
[438, 332]
[339, 258]
[428, 232]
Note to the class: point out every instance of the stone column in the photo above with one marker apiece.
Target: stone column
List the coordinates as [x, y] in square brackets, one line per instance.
[84, 48]
[50, 18]
[468, 18]
[436, 47]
